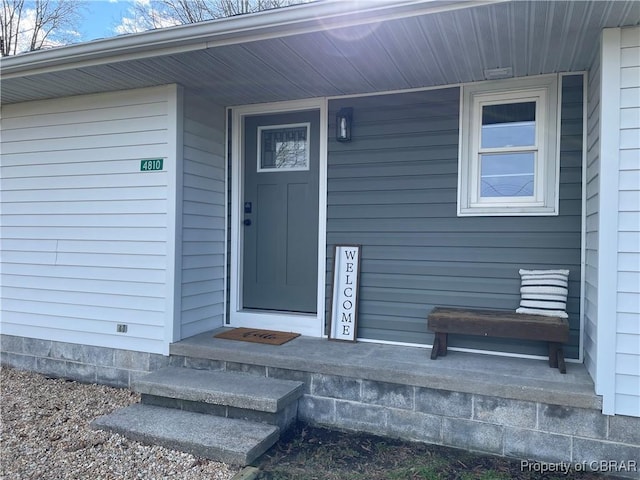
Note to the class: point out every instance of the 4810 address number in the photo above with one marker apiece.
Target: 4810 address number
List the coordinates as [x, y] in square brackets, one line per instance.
[151, 165]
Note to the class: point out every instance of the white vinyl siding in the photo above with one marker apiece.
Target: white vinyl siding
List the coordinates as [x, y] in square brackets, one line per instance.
[203, 217]
[85, 241]
[616, 225]
[591, 219]
[628, 282]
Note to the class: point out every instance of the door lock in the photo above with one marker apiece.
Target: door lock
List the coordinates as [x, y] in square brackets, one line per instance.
[247, 221]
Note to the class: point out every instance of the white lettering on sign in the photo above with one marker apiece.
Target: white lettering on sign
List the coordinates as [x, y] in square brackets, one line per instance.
[345, 292]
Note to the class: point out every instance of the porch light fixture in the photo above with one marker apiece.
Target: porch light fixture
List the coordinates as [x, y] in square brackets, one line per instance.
[343, 124]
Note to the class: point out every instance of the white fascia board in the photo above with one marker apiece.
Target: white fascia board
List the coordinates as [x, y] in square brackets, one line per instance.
[282, 22]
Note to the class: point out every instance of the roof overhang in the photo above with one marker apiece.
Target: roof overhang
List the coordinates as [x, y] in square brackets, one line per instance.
[276, 23]
[328, 48]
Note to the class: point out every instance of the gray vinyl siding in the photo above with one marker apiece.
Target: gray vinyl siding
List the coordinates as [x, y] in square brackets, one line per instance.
[393, 190]
[203, 216]
[592, 218]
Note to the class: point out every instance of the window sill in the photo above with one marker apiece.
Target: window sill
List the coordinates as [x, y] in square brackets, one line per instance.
[503, 211]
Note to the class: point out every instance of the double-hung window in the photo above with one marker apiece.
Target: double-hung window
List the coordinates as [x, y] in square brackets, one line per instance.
[509, 154]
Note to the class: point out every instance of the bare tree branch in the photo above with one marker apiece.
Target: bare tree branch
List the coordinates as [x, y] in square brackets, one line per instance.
[162, 13]
[11, 15]
[29, 25]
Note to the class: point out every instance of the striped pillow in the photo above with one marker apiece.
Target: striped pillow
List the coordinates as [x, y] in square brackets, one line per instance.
[544, 292]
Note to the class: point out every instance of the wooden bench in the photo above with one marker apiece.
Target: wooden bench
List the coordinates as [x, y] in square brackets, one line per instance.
[499, 323]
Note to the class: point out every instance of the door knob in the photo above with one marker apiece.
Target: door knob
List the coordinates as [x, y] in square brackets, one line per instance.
[247, 221]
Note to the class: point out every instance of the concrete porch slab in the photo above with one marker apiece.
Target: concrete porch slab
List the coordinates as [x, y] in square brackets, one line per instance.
[507, 377]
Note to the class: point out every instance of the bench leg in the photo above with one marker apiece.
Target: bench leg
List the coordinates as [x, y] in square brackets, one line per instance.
[439, 346]
[556, 357]
[444, 337]
[561, 365]
[553, 355]
[436, 347]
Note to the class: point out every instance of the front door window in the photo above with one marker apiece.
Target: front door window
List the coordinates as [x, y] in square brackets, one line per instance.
[283, 147]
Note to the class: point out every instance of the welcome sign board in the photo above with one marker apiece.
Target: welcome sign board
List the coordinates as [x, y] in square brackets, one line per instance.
[344, 307]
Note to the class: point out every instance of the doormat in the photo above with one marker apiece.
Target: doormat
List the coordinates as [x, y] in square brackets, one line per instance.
[270, 337]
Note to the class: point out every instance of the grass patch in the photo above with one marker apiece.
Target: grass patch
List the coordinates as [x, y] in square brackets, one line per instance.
[312, 453]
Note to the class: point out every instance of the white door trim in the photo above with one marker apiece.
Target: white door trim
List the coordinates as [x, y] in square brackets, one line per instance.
[305, 324]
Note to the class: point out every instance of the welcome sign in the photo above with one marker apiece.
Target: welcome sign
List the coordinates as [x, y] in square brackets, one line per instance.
[344, 308]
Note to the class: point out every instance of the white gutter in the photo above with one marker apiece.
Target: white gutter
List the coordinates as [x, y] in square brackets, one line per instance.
[305, 18]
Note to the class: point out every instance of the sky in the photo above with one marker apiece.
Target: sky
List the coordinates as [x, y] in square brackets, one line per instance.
[101, 18]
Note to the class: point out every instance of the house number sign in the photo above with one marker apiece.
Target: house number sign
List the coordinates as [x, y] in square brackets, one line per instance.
[151, 165]
[344, 307]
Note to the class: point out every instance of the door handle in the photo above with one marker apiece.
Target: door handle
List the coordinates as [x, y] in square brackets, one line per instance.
[247, 221]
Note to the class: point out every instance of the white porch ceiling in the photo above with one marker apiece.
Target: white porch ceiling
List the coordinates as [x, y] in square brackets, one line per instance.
[431, 49]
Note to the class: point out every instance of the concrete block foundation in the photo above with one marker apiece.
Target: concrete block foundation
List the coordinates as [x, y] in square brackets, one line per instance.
[557, 428]
[83, 363]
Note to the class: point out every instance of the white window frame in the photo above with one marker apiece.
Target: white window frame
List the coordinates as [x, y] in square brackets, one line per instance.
[542, 90]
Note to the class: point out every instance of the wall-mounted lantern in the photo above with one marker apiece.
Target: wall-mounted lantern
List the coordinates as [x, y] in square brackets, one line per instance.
[343, 124]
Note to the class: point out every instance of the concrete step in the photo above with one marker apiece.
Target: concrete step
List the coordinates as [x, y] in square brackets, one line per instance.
[225, 394]
[227, 440]
[239, 390]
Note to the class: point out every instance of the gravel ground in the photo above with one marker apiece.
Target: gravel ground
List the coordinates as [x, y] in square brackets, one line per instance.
[45, 434]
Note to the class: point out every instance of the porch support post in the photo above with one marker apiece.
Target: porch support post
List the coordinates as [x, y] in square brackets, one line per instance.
[608, 217]
[173, 312]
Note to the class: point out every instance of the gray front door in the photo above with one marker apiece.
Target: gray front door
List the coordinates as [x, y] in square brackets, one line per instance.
[280, 211]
